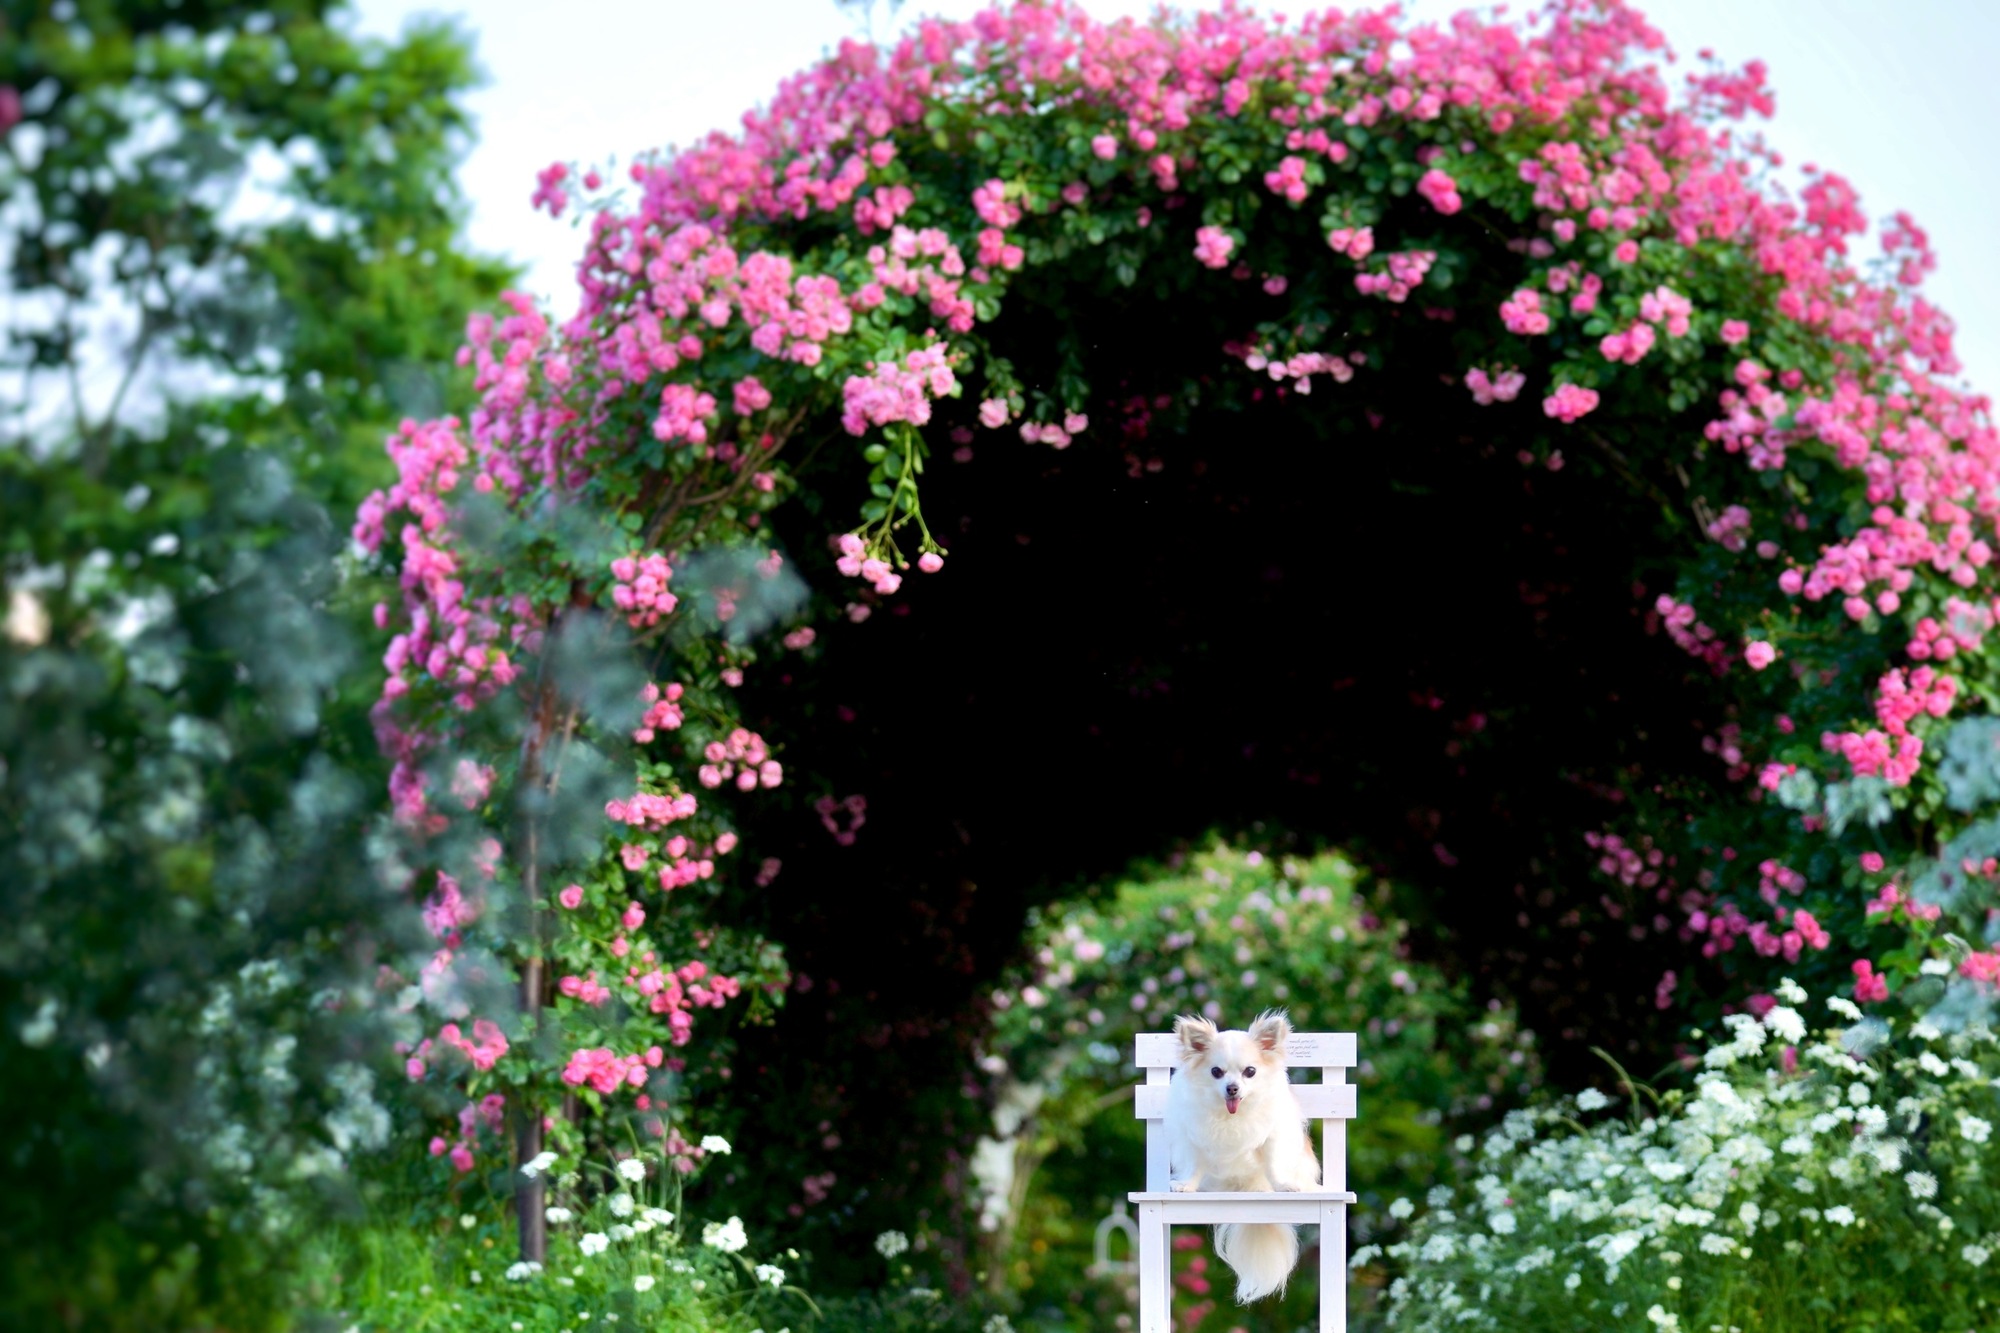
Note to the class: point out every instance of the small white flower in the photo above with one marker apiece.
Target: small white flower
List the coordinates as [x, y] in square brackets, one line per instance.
[714, 1143]
[1858, 1093]
[998, 1324]
[537, 1164]
[1840, 1215]
[1572, 1282]
[1665, 1322]
[643, 1282]
[1934, 967]
[1933, 1064]
[468, 1221]
[772, 1274]
[1791, 992]
[620, 1204]
[1845, 1007]
[594, 1242]
[1785, 1022]
[1976, 1255]
[522, 1271]
[1401, 1209]
[729, 1237]
[659, 1217]
[558, 1216]
[619, 1231]
[477, 1277]
[1715, 1244]
[1974, 1129]
[1923, 1185]
[1503, 1224]
[632, 1169]
[891, 1243]
[1590, 1099]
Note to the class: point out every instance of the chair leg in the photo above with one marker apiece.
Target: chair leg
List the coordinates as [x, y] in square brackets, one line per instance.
[1333, 1268]
[1155, 1271]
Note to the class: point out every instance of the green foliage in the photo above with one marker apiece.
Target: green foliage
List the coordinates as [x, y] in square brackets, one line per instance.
[1226, 933]
[620, 1252]
[232, 262]
[1837, 1179]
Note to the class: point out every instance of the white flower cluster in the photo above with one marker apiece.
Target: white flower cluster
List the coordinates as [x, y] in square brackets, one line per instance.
[891, 1243]
[1787, 1142]
[729, 1237]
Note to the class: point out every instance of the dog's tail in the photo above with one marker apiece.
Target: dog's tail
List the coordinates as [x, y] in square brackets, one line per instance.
[1262, 1253]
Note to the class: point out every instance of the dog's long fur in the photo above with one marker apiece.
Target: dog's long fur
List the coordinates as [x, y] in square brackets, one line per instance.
[1233, 1123]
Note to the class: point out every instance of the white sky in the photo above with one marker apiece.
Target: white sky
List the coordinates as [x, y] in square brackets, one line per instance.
[1900, 96]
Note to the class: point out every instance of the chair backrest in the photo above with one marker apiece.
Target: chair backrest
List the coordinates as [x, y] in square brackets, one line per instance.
[1330, 1101]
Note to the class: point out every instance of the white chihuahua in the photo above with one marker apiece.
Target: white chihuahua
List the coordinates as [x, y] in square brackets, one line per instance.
[1233, 1123]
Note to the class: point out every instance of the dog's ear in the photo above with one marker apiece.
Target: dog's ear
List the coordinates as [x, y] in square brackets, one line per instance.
[1195, 1035]
[1271, 1031]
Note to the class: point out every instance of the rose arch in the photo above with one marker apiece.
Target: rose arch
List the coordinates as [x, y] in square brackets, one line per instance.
[1041, 440]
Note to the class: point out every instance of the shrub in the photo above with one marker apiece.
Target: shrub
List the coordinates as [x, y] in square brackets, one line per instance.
[1812, 1177]
[620, 1251]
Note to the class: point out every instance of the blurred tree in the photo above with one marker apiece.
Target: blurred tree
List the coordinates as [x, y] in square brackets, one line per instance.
[231, 260]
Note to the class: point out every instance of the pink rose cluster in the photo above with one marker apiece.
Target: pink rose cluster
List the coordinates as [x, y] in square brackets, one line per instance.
[1797, 931]
[605, 1071]
[1056, 437]
[482, 1049]
[898, 392]
[1213, 246]
[488, 1115]
[1522, 313]
[1689, 634]
[1729, 527]
[927, 263]
[640, 589]
[447, 909]
[1502, 387]
[1441, 190]
[1357, 243]
[1892, 752]
[855, 562]
[1570, 402]
[1963, 629]
[743, 757]
[651, 810]
[1288, 180]
[1402, 274]
[663, 711]
[1891, 902]
[1299, 368]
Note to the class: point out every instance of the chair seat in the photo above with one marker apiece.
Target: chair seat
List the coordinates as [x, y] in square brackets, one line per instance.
[1236, 1196]
[1240, 1206]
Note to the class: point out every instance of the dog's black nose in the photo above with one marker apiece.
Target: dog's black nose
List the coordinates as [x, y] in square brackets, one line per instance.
[1229, 1089]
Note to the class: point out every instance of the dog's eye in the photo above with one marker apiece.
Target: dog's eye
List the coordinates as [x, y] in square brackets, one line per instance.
[1217, 1071]
[1250, 1071]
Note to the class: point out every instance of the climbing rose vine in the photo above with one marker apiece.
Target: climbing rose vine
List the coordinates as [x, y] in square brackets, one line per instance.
[1621, 283]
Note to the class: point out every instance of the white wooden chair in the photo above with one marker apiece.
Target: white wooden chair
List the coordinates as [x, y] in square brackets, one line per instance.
[1330, 1101]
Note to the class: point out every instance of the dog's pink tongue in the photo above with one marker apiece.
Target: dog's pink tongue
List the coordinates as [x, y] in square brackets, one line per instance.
[1230, 1102]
